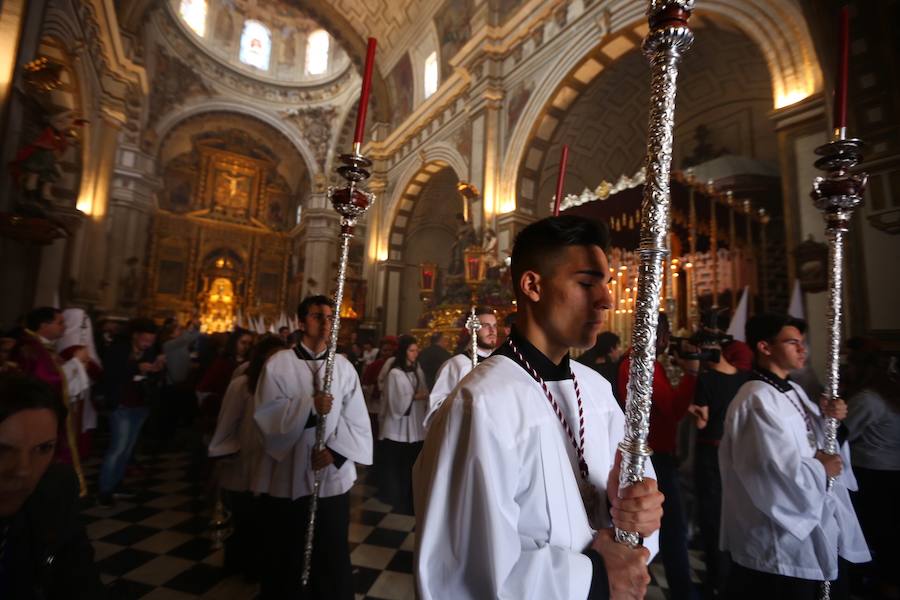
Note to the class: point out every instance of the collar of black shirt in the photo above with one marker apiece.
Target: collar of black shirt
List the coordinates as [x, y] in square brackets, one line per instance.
[543, 365]
[303, 353]
[772, 379]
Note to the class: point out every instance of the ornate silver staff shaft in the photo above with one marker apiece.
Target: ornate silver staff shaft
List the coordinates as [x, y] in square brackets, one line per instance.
[473, 325]
[837, 195]
[351, 202]
[669, 35]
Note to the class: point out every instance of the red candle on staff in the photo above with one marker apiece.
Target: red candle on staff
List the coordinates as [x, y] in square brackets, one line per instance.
[561, 178]
[840, 87]
[364, 96]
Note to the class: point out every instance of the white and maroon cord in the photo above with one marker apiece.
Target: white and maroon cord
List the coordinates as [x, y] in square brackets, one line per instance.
[578, 445]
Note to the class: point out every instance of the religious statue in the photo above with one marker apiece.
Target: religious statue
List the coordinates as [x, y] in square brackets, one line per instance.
[465, 237]
[491, 261]
[36, 167]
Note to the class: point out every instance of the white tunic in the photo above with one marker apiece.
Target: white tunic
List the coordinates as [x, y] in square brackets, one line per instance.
[498, 510]
[236, 434]
[448, 376]
[284, 403]
[776, 514]
[401, 415]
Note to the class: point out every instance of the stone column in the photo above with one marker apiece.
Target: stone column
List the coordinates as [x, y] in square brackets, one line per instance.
[391, 273]
[88, 276]
[376, 237]
[320, 230]
[131, 220]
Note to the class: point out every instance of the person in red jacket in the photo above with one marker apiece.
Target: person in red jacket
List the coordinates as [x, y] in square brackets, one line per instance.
[670, 405]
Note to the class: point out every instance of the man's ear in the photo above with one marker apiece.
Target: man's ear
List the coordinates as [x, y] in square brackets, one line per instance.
[764, 348]
[530, 285]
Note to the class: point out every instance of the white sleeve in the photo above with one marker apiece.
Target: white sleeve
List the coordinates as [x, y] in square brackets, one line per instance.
[468, 543]
[225, 439]
[397, 391]
[787, 488]
[352, 437]
[447, 378]
[384, 372]
[281, 411]
[77, 380]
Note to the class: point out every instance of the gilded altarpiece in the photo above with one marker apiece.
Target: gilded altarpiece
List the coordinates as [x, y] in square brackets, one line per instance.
[227, 253]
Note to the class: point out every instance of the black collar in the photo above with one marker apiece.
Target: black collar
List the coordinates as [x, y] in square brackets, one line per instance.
[543, 365]
[304, 354]
[779, 383]
[468, 354]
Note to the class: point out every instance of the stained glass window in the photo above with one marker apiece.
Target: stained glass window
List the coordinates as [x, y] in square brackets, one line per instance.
[431, 74]
[317, 52]
[193, 12]
[256, 45]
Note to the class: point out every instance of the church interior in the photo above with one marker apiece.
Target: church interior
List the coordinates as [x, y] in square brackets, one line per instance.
[176, 161]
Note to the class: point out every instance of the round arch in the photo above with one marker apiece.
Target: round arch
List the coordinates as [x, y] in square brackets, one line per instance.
[169, 122]
[416, 175]
[776, 26]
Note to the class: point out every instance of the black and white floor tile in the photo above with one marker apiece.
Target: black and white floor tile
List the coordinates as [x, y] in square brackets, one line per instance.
[156, 546]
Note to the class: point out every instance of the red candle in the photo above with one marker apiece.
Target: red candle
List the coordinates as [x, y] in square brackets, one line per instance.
[364, 95]
[561, 178]
[840, 89]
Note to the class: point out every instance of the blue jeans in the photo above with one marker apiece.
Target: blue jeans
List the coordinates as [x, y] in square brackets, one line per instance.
[125, 425]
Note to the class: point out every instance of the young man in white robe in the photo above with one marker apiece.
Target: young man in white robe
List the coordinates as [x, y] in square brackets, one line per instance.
[289, 398]
[457, 367]
[510, 497]
[784, 530]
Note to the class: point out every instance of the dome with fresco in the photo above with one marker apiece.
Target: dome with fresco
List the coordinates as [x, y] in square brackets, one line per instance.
[269, 40]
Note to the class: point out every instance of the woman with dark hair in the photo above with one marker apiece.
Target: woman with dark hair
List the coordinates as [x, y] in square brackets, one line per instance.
[872, 386]
[402, 416]
[44, 551]
[236, 443]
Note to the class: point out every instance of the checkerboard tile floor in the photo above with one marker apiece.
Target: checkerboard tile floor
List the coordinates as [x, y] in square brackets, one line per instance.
[156, 546]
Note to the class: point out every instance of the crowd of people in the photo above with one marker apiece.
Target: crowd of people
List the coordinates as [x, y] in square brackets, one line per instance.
[477, 448]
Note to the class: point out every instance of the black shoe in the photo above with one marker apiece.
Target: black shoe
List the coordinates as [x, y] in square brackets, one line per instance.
[124, 494]
[105, 500]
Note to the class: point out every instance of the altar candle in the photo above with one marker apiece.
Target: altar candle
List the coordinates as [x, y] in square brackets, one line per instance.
[364, 96]
[840, 89]
[561, 178]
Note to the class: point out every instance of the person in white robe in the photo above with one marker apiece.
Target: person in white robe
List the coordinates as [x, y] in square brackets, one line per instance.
[512, 485]
[402, 430]
[784, 530]
[289, 399]
[457, 367]
[79, 333]
[237, 447]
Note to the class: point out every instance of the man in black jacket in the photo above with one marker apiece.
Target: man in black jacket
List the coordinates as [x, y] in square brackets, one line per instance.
[45, 553]
[132, 370]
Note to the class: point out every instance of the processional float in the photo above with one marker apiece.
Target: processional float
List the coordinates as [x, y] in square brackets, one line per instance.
[668, 37]
[351, 202]
[837, 195]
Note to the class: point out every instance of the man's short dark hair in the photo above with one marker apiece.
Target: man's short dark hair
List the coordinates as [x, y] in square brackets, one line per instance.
[283, 328]
[765, 328]
[484, 310]
[538, 246]
[436, 337]
[142, 325]
[20, 392]
[40, 316]
[607, 342]
[310, 301]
